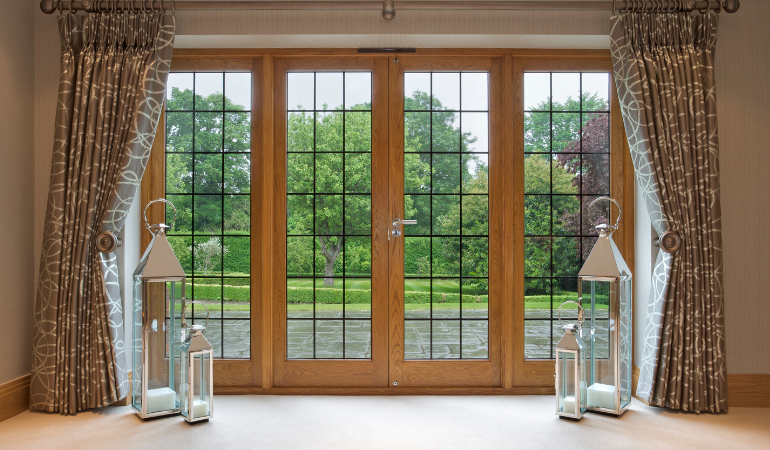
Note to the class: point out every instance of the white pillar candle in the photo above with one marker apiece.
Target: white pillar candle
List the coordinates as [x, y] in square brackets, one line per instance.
[568, 405]
[162, 399]
[601, 395]
[200, 409]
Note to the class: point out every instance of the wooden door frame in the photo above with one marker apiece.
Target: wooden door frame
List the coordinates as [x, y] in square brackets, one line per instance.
[445, 372]
[518, 376]
[327, 372]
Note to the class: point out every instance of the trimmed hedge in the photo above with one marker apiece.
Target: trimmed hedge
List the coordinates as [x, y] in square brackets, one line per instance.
[213, 292]
[558, 299]
[297, 295]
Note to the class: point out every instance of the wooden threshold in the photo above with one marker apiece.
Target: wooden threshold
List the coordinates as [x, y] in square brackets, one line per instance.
[254, 390]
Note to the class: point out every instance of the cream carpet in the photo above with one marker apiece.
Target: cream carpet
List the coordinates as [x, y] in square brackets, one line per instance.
[424, 422]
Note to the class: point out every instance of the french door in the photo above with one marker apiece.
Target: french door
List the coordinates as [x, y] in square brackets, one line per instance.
[386, 221]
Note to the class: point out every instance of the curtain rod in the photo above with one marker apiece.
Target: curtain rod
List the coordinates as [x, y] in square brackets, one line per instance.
[388, 7]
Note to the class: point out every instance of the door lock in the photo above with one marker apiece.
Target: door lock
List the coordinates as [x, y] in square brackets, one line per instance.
[396, 230]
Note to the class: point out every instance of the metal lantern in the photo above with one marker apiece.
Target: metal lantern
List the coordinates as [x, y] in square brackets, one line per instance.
[159, 285]
[197, 372]
[604, 289]
[571, 371]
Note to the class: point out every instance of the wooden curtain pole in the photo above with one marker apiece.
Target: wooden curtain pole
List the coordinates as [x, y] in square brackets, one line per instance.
[388, 7]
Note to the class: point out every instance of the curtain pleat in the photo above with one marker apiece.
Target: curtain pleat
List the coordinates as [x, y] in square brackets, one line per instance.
[664, 73]
[113, 76]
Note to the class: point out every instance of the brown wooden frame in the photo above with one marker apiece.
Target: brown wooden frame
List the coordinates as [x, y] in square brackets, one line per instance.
[515, 374]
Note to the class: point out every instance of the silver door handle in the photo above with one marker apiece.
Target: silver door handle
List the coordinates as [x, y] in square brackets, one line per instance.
[396, 231]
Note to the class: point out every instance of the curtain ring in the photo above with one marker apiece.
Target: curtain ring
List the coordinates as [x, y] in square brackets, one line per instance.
[173, 8]
[708, 8]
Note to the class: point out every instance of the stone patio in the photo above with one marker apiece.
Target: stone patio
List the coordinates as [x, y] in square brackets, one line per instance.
[445, 340]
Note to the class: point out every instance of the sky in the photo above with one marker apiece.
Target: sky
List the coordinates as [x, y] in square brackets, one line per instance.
[466, 92]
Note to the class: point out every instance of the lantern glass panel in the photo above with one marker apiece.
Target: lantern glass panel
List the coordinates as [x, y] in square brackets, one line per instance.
[599, 331]
[201, 385]
[156, 317]
[567, 388]
[624, 324]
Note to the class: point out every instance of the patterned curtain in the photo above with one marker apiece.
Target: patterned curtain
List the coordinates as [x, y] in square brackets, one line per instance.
[664, 71]
[114, 69]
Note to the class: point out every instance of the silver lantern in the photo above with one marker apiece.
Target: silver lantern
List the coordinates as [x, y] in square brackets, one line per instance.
[571, 368]
[604, 289]
[159, 285]
[197, 372]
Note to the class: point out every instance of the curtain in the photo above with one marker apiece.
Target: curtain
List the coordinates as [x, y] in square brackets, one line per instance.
[114, 69]
[664, 72]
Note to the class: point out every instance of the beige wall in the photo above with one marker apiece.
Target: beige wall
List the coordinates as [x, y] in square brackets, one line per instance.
[16, 188]
[741, 82]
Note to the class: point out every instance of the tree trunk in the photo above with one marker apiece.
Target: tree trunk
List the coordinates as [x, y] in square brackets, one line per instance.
[330, 252]
[329, 273]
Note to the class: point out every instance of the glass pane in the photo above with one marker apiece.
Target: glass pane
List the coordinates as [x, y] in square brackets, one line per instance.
[446, 214]
[179, 131]
[358, 90]
[445, 132]
[300, 132]
[475, 131]
[358, 298]
[537, 174]
[417, 339]
[416, 91]
[179, 173]
[358, 132]
[358, 172]
[475, 169]
[329, 339]
[207, 215]
[300, 342]
[329, 88]
[300, 91]
[236, 295]
[213, 334]
[537, 298]
[417, 132]
[238, 91]
[537, 132]
[475, 91]
[208, 132]
[475, 339]
[566, 132]
[566, 256]
[596, 91]
[565, 168]
[358, 256]
[566, 91]
[208, 91]
[475, 209]
[566, 215]
[237, 251]
[537, 91]
[299, 175]
[358, 215]
[446, 91]
[179, 92]
[417, 298]
[537, 215]
[597, 214]
[417, 208]
[475, 298]
[475, 256]
[446, 256]
[328, 215]
[237, 214]
[181, 246]
[207, 254]
[537, 339]
[445, 339]
[595, 174]
[445, 302]
[183, 205]
[237, 132]
[237, 339]
[446, 173]
[417, 172]
[299, 291]
[596, 133]
[237, 174]
[416, 256]
[358, 339]
[299, 212]
[537, 256]
[328, 168]
[328, 132]
[208, 174]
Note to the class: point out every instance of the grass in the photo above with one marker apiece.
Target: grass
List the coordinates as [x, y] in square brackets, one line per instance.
[234, 306]
[412, 285]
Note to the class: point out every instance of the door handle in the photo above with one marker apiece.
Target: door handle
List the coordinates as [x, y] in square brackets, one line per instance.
[396, 230]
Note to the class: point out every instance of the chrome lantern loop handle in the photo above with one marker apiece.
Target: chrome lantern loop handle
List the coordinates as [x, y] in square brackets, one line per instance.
[195, 302]
[144, 214]
[620, 211]
[580, 312]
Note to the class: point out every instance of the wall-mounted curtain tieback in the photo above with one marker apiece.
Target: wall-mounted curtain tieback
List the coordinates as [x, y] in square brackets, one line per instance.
[668, 242]
[108, 241]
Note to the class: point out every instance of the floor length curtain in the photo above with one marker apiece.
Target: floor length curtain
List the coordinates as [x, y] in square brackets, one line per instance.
[114, 69]
[664, 71]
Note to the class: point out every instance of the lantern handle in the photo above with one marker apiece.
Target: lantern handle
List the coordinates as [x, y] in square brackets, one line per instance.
[620, 211]
[144, 214]
[580, 315]
[208, 314]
